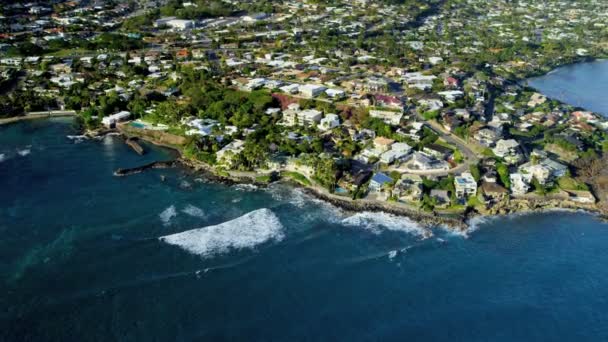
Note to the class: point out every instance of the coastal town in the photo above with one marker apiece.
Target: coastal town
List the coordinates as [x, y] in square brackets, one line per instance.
[421, 105]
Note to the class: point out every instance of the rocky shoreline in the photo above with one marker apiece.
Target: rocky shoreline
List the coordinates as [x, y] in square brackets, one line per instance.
[456, 222]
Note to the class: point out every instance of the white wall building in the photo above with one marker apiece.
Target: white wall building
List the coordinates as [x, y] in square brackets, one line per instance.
[311, 90]
[111, 120]
[330, 121]
[465, 185]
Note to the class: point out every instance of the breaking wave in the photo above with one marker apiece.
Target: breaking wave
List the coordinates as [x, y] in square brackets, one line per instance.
[77, 138]
[375, 222]
[24, 152]
[194, 211]
[245, 187]
[2, 157]
[247, 231]
[167, 215]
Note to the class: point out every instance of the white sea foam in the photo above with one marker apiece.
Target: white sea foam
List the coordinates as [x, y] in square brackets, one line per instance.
[247, 231]
[245, 187]
[167, 215]
[194, 211]
[478, 221]
[392, 254]
[77, 138]
[24, 152]
[378, 221]
[2, 157]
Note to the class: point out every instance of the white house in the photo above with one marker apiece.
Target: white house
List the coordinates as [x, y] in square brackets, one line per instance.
[293, 116]
[508, 150]
[335, 93]
[111, 120]
[227, 153]
[465, 185]
[174, 23]
[388, 116]
[543, 171]
[519, 186]
[312, 90]
[329, 121]
[290, 88]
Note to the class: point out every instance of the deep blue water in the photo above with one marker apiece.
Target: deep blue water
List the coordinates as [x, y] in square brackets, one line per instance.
[581, 84]
[81, 260]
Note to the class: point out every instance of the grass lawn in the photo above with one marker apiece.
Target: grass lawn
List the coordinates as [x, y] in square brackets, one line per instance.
[569, 183]
[298, 177]
[70, 52]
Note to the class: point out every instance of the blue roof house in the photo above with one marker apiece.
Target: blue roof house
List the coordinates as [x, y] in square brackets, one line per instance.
[379, 180]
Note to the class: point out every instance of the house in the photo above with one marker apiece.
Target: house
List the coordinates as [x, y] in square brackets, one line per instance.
[519, 186]
[486, 137]
[388, 101]
[311, 90]
[227, 153]
[379, 180]
[537, 99]
[465, 185]
[335, 94]
[330, 121]
[418, 80]
[493, 191]
[408, 188]
[293, 116]
[383, 144]
[508, 150]
[438, 151]
[543, 171]
[390, 117]
[392, 155]
[254, 17]
[110, 121]
[441, 196]
[290, 88]
[176, 24]
[451, 95]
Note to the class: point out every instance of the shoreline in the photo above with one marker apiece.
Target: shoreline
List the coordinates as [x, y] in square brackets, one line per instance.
[455, 222]
[36, 116]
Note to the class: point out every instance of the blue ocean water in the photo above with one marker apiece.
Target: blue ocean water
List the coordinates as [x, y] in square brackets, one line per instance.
[581, 84]
[81, 260]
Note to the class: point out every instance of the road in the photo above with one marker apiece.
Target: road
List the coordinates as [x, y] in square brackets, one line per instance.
[470, 157]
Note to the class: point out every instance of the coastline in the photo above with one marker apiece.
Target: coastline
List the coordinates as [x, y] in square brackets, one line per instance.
[36, 116]
[458, 222]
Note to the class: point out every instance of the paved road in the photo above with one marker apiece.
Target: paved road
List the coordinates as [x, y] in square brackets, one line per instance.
[470, 157]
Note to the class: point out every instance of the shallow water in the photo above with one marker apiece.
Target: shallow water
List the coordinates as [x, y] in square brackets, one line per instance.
[82, 259]
[583, 85]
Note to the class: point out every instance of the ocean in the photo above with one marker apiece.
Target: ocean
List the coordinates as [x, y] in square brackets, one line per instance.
[87, 256]
[580, 84]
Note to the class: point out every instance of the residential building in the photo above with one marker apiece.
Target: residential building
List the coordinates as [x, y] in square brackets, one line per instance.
[408, 188]
[311, 90]
[111, 120]
[379, 180]
[508, 150]
[330, 121]
[294, 116]
[465, 185]
[390, 117]
[227, 153]
[519, 185]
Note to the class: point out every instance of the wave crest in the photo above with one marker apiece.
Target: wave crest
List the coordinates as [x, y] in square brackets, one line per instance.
[167, 215]
[378, 221]
[247, 231]
[194, 211]
[24, 152]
